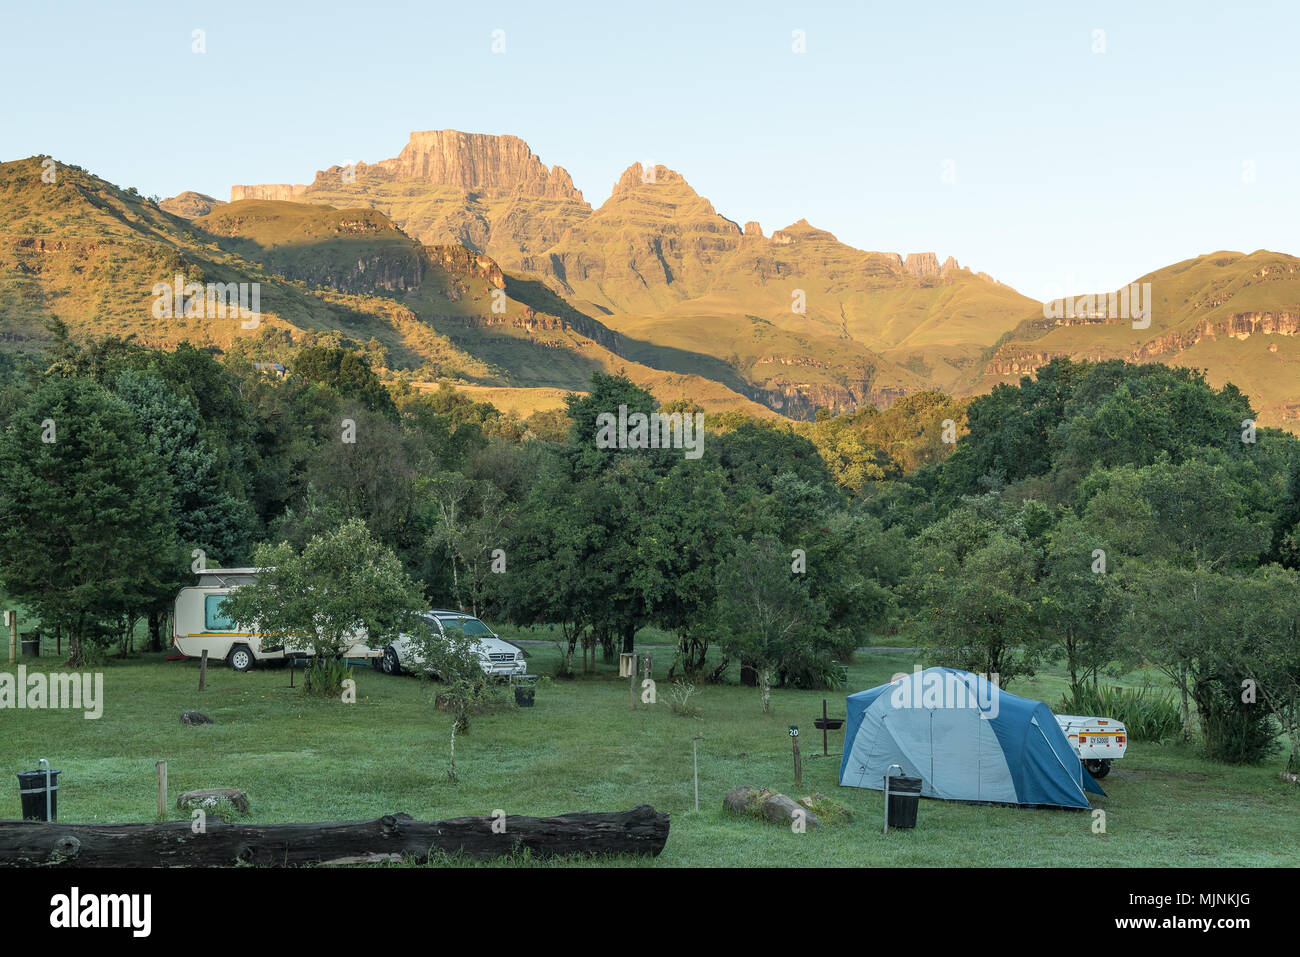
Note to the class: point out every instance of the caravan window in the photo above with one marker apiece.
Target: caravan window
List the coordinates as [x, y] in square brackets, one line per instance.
[214, 617]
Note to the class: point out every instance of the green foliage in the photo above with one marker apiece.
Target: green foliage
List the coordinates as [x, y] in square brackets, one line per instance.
[1235, 732]
[348, 373]
[975, 589]
[1147, 715]
[344, 586]
[766, 616]
[453, 660]
[86, 535]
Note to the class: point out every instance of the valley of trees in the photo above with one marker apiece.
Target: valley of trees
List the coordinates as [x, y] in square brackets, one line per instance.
[1103, 516]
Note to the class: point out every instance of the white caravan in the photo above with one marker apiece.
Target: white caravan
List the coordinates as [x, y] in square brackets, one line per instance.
[200, 624]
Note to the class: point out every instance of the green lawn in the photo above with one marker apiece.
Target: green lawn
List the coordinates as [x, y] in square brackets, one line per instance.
[580, 748]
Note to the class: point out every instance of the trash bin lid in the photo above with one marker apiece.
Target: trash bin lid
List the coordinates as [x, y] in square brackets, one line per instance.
[37, 774]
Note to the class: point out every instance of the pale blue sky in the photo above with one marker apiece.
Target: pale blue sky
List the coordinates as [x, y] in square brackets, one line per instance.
[1069, 166]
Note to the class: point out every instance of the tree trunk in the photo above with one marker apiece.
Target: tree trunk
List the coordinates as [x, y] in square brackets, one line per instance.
[765, 681]
[716, 675]
[641, 830]
[156, 616]
[1187, 715]
[76, 655]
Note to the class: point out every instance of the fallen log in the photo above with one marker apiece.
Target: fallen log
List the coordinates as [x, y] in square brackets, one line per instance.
[642, 830]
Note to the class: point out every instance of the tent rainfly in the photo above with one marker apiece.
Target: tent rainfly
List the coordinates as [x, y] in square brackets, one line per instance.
[966, 739]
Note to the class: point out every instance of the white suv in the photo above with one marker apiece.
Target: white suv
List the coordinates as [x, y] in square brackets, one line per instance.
[497, 657]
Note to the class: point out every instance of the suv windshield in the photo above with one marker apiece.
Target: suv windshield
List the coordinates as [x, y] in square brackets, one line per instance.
[470, 627]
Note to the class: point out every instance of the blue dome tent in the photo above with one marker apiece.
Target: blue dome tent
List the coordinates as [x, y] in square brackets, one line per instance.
[965, 738]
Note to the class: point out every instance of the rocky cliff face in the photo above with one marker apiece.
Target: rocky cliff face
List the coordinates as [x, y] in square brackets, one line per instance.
[478, 161]
[277, 191]
[921, 264]
[1013, 358]
[466, 263]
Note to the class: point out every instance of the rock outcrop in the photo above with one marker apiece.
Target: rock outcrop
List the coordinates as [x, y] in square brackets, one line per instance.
[921, 264]
[802, 231]
[276, 191]
[479, 161]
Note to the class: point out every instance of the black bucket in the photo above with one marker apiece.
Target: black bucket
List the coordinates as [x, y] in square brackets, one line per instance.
[31, 790]
[904, 797]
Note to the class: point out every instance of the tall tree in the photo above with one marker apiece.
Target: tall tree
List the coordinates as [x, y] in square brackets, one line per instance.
[86, 532]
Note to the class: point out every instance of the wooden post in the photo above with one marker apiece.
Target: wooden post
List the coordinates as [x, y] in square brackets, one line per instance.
[695, 761]
[825, 746]
[631, 681]
[647, 666]
[162, 788]
[203, 668]
[798, 763]
[11, 619]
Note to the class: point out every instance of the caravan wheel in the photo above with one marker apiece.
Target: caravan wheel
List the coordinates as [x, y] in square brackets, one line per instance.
[240, 658]
[1098, 769]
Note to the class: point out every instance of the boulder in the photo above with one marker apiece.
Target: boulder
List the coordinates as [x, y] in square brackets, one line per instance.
[779, 809]
[207, 798]
[738, 799]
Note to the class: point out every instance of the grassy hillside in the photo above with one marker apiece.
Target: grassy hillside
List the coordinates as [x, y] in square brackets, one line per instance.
[1235, 315]
[658, 248]
[89, 253]
[655, 283]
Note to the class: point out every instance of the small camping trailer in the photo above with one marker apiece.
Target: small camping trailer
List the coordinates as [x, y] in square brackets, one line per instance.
[200, 624]
[965, 738]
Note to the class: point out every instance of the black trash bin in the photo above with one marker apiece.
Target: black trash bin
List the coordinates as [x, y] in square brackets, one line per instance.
[31, 790]
[31, 647]
[525, 690]
[904, 797]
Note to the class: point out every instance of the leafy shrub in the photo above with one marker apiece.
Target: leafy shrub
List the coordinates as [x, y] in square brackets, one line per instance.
[1234, 732]
[1148, 715]
[325, 676]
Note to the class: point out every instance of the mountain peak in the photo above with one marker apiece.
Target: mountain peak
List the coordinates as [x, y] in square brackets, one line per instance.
[637, 175]
[802, 231]
[480, 161]
[190, 205]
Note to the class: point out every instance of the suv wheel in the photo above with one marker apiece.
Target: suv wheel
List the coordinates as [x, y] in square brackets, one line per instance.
[390, 664]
